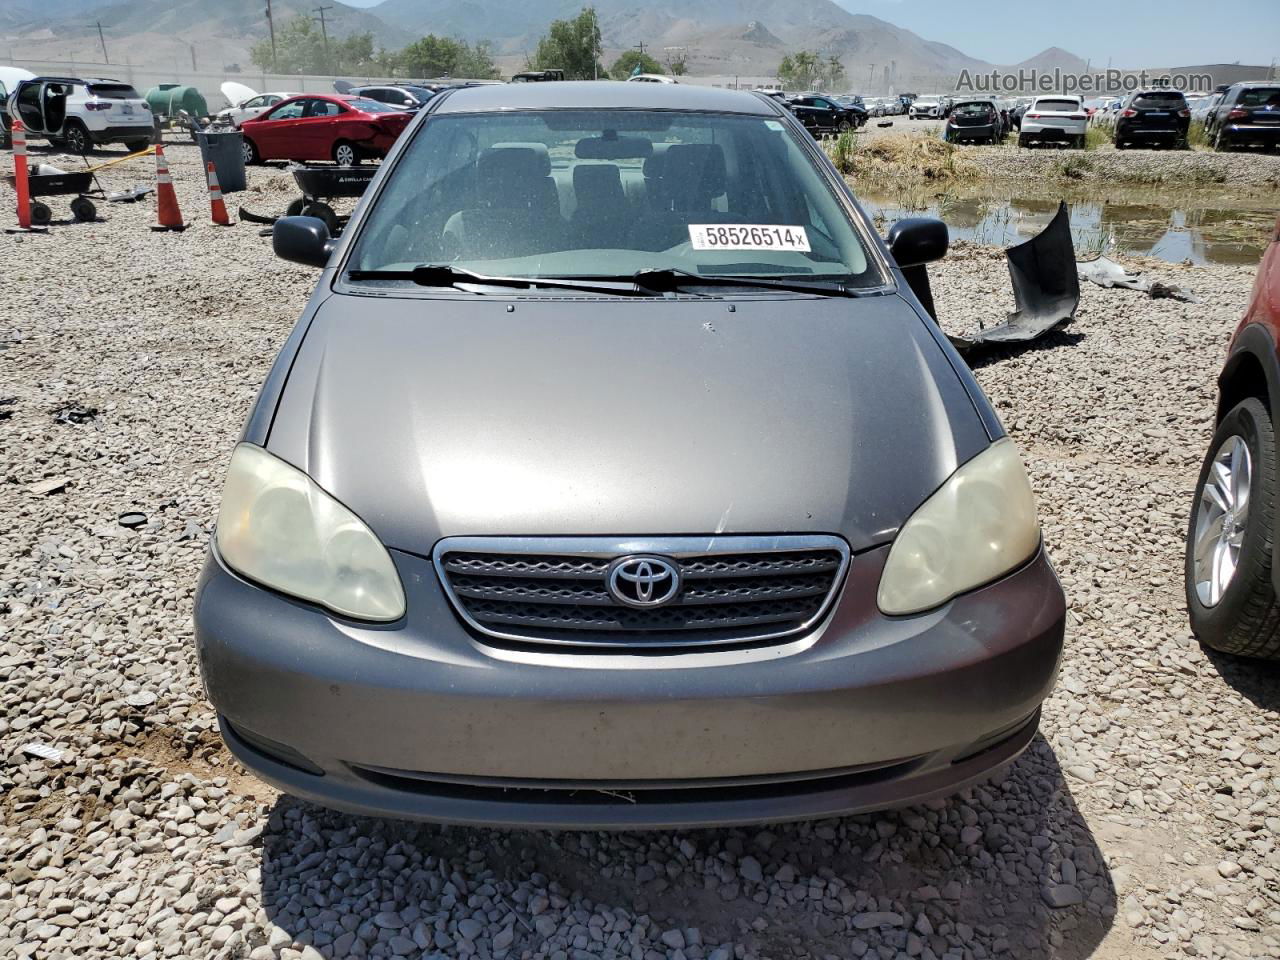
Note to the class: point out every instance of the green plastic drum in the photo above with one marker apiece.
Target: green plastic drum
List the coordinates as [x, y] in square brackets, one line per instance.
[168, 98]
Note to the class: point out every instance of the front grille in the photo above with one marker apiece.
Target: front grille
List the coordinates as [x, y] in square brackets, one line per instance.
[554, 590]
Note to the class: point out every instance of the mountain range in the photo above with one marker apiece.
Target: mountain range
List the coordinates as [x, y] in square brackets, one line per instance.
[744, 38]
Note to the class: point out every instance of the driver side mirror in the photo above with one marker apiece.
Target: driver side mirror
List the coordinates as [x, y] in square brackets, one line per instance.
[302, 240]
[917, 240]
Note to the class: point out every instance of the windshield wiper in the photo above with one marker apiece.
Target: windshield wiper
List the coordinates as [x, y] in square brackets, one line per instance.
[669, 279]
[442, 275]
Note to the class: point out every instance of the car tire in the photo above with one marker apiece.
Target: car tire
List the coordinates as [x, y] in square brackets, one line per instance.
[1235, 611]
[345, 154]
[1023, 141]
[250, 152]
[1221, 143]
[136, 146]
[77, 138]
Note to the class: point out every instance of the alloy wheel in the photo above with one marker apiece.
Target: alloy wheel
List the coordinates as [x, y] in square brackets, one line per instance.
[344, 155]
[1222, 515]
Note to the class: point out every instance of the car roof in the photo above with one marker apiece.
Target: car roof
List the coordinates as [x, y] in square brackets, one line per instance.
[592, 94]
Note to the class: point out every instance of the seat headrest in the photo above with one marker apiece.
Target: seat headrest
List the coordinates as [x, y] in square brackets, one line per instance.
[534, 159]
[597, 178]
[694, 171]
[653, 162]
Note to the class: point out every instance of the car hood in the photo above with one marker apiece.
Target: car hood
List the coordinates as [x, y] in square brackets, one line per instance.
[434, 417]
[237, 93]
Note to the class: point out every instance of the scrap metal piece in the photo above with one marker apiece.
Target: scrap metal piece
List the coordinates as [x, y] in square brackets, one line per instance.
[1046, 287]
[132, 195]
[251, 217]
[1106, 273]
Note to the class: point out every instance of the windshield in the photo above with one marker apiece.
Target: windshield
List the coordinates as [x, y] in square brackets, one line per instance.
[608, 193]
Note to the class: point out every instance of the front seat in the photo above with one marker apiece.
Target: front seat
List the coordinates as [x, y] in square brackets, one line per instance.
[597, 188]
[691, 177]
[516, 209]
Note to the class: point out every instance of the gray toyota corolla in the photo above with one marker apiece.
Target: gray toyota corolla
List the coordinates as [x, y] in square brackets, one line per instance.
[615, 476]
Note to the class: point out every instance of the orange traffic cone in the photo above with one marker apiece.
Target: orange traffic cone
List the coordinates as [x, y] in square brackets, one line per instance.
[216, 205]
[166, 200]
[18, 137]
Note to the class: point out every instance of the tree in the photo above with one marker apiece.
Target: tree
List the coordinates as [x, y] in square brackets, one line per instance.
[301, 48]
[834, 77]
[625, 66]
[678, 63]
[433, 56]
[799, 71]
[573, 46]
[806, 70]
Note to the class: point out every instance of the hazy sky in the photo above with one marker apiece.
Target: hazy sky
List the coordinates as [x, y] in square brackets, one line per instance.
[1133, 33]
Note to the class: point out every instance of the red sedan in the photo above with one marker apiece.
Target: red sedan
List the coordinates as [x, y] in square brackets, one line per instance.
[1233, 545]
[316, 126]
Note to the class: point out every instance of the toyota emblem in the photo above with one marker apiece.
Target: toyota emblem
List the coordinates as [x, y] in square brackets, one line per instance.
[643, 581]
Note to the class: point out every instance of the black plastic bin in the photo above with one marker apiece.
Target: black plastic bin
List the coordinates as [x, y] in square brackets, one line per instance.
[226, 149]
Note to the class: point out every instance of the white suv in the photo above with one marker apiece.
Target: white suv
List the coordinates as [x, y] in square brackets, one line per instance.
[925, 107]
[80, 114]
[1060, 119]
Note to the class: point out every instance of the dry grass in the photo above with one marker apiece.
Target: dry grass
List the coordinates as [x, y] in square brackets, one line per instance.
[908, 156]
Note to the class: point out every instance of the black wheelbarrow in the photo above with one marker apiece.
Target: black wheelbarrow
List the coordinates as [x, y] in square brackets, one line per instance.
[320, 184]
[58, 183]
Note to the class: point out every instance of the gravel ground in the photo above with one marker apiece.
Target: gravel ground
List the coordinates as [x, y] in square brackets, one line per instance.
[1143, 823]
[1253, 170]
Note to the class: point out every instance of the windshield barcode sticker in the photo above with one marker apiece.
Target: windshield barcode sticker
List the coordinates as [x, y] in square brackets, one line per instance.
[747, 236]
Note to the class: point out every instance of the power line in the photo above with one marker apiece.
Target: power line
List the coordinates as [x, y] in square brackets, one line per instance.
[271, 26]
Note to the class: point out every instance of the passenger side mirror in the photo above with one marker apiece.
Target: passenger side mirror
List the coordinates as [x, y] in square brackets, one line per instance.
[917, 240]
[302, 240]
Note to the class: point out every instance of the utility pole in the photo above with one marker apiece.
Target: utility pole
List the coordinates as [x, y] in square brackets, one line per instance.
[102, 40]
[324, 32]
[871, 77]
[271, 26]
[640, 46]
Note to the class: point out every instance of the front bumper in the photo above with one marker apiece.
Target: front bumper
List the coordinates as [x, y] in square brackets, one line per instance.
[422, 720]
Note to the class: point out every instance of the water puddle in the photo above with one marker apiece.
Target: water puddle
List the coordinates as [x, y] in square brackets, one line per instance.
[1200, 227]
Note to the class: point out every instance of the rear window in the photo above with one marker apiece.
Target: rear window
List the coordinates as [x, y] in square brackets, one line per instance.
[1260, 97]
[1160, 100]
[976, 107]
[371, 106]
[1059, 106]
[113, 91]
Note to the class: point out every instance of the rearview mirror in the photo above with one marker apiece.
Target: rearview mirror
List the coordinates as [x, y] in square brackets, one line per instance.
[302, 240]
[917, 240]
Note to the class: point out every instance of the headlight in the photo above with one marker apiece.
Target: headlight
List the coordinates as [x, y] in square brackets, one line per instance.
[277, 527]
[979, 525]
